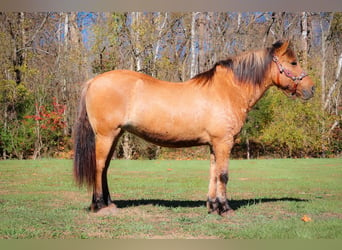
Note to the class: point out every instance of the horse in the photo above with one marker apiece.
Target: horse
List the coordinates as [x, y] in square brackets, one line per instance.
[208, 109]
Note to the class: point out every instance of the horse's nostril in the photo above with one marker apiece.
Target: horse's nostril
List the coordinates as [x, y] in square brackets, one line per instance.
[307, 94]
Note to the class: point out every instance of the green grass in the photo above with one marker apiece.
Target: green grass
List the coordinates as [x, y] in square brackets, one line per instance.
[166, 199]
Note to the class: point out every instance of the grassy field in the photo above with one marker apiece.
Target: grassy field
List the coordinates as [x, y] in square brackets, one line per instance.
[166, 199]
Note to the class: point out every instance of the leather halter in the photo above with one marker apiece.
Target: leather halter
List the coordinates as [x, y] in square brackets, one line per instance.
[295, 79]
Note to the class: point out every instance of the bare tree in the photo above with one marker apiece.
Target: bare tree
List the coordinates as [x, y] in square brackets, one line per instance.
[194, 45]
[304, 37]
[161, 22]
[324, 35]
[137, 45]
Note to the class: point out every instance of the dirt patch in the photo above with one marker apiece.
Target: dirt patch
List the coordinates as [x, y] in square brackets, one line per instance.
[331, 215]
[173, 235]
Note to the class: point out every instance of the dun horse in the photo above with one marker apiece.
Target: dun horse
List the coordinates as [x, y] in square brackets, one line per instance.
[209, 109]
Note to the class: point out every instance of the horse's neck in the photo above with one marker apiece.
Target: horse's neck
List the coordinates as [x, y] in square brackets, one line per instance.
[253, 93]
[247, 94]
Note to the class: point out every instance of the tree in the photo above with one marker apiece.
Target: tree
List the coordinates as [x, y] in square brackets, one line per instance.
[46, 55]
[47, 60]
[18, 33]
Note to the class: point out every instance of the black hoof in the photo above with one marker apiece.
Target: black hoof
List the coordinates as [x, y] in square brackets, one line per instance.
[108, 210]
[220, 208]
[99, 203]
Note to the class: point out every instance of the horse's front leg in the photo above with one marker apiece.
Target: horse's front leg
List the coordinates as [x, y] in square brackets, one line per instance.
[217, 195]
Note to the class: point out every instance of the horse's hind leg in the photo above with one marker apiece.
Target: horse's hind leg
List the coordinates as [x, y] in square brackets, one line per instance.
[105, 146]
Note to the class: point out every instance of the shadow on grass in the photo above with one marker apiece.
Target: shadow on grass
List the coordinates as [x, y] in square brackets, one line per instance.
[234, 204]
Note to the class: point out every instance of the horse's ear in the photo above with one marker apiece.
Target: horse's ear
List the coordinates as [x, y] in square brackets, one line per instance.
[281, 47]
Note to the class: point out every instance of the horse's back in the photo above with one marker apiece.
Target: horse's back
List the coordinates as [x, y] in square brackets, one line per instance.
[114, 96]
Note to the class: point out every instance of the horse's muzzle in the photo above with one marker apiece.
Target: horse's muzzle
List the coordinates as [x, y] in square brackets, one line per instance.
[308, 93]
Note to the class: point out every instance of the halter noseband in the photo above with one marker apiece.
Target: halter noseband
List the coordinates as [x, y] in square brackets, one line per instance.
[289, 74]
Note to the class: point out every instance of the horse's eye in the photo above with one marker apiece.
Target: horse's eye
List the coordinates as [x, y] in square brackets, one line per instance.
[294, 63]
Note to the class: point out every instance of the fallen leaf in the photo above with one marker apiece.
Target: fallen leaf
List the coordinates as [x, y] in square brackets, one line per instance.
[306, 218]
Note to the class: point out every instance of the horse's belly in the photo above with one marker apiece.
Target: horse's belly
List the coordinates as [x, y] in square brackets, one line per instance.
[170, 137]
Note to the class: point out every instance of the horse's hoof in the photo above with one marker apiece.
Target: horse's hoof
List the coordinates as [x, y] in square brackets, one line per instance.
[228, 213]
[107, 211]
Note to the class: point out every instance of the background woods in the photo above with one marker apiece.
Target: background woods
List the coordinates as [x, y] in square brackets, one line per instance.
[45, 58]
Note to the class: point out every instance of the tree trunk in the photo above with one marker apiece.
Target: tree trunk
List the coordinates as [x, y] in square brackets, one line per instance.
[323, 77]
[324, 57]
[127, 146]
[304, 38]
[334, 85]
[194, 44]
[38, 143]
[66, 29]
[248, 149]
[202, 41]
[323, 68]
[160, 26]
[18, 38]
[238, 22]
[135, 22]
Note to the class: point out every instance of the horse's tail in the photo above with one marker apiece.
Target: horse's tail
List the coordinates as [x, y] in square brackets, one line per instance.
[84, 146]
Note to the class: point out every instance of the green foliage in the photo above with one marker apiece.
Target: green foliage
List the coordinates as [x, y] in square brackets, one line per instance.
[258, 118]
[14, 97]
[287, 127]
[336, 29]
[296, 126]
[15, 135]
[18, 139]
[107, 39]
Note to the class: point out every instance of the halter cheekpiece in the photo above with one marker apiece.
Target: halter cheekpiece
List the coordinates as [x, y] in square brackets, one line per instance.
[288, 73]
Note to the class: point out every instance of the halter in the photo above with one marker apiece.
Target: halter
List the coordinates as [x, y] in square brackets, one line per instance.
[295, 79]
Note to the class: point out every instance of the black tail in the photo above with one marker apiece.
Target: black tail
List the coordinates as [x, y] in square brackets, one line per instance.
[84, 147]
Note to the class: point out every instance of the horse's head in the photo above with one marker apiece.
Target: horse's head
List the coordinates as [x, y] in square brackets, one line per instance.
[287, 74]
